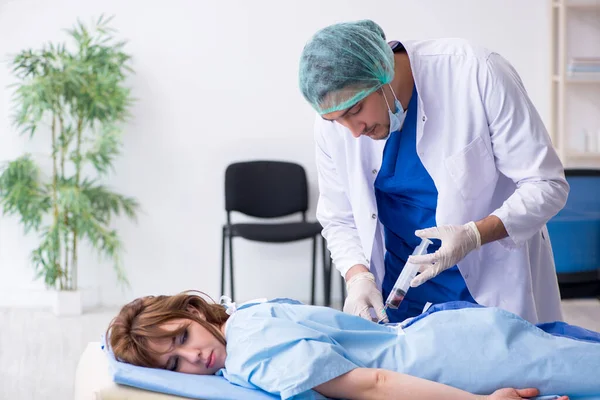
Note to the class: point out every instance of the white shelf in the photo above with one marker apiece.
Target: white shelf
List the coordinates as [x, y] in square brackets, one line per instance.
[581, 5]
[573, 37]
[583, 156]
[578, 79]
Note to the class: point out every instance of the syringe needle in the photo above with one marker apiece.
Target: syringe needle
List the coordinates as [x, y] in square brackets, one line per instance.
[384, 314]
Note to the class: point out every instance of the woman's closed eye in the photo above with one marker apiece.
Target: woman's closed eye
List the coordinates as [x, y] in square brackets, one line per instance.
[174, 364]
[184, 336]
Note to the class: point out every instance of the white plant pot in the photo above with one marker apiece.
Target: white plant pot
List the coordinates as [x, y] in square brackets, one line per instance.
[67, 302]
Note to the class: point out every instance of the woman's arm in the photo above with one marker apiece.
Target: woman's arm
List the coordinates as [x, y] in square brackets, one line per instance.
[375, 384]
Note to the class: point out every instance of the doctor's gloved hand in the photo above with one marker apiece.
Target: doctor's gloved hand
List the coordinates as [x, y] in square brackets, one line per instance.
[362, 295]
[457, 242]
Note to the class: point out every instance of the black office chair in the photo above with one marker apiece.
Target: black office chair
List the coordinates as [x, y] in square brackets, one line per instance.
[270, 189]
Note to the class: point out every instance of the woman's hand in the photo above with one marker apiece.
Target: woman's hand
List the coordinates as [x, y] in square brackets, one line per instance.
[517, 394]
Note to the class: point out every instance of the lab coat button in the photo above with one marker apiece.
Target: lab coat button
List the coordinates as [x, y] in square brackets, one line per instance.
[374, 171]
[424, 118]
[373, 216]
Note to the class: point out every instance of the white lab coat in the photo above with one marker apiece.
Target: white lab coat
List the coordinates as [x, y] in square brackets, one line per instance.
[487, 151]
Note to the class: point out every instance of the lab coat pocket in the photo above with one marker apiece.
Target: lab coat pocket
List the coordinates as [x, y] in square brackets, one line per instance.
[472, 169]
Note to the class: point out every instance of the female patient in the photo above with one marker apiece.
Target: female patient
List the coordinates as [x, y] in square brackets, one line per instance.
[287, 348]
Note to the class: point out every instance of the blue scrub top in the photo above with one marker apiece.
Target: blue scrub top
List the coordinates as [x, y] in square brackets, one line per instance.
[407, 201]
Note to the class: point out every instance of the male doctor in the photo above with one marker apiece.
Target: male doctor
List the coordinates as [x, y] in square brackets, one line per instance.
[431, 139]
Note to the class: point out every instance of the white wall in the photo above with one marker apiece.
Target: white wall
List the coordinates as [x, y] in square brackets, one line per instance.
[217, 83]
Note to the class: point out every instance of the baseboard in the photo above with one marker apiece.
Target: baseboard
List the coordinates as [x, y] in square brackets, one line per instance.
[40, 298]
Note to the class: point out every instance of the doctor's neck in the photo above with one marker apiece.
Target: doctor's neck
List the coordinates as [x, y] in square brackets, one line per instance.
[403, 81]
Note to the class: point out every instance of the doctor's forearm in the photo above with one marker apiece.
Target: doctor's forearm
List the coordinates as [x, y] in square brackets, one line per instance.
[491, 229]
[530, 207]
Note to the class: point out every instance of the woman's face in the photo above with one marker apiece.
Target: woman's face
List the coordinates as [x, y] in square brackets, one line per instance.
[194, 351]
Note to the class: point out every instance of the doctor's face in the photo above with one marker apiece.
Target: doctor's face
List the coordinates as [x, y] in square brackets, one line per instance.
[368, 117]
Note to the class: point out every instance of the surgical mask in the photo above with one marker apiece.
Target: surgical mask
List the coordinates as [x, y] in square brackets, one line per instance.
[396, 118]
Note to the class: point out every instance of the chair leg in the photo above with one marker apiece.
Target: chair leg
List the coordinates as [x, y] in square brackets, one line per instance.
[314, 271]
[342, 290]
[326, 275]
[231, 266]
[223, 262]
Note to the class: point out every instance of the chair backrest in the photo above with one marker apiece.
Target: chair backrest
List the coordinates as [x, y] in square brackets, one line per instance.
[266, 189]
[575, 230]
[584, 193]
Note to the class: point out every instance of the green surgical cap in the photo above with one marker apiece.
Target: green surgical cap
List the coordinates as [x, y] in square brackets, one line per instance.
[344, 63]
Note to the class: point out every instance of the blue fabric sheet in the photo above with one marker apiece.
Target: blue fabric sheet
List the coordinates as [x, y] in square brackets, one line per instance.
[286, 348]
[282, 347]
[175, 383]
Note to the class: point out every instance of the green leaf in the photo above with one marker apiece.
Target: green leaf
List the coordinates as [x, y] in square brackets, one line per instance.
[23, 193]
[107, 204]
[105, 148]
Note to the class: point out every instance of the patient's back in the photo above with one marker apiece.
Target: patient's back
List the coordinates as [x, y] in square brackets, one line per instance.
[287, 348]
[282, 343]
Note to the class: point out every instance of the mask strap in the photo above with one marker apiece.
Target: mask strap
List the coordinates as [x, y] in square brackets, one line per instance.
[394, 93]
[386, 100]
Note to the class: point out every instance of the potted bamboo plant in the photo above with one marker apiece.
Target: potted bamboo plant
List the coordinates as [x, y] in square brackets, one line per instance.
[72, 96]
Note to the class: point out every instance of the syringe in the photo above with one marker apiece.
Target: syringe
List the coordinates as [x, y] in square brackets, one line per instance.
[403, 282]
